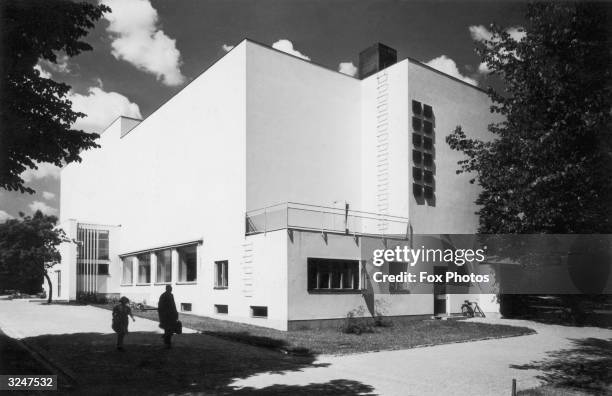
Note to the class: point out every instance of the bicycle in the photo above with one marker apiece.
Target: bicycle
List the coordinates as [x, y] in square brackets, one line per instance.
[468, 311]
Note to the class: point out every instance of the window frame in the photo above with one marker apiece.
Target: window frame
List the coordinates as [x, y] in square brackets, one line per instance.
[315, 262]
[180, 278]
[223, 276]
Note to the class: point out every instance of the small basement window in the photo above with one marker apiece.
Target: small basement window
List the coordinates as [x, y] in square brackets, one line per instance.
[259, 312]
[427, 111]
[221, 309]
[416, 107]
[186, 307]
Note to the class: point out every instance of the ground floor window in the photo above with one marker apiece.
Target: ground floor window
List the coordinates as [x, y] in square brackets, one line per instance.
[221, 309]
[144, 268]
[128, 271]
[164, 266]
[188, 263]
[333, 275]
[221, 278]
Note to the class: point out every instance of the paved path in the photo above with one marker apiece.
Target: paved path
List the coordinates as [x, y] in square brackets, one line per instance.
[22, 319]
[473, 368]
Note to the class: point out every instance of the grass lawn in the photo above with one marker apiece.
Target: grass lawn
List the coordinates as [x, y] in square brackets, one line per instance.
[331, 341]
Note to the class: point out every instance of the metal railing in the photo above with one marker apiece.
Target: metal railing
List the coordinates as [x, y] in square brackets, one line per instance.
[292, 215]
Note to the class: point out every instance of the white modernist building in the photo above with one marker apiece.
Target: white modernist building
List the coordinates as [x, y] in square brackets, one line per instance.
[253, 190]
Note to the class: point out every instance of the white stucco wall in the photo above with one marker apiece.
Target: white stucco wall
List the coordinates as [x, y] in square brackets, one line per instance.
[303, 132]
[454, 103]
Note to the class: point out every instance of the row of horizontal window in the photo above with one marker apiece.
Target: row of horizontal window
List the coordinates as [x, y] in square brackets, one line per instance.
[422, 110]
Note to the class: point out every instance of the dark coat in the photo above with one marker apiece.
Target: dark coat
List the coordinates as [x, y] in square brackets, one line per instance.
[166, 308]
[120, 318]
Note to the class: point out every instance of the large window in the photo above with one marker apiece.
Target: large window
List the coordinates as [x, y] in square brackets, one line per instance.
[164, 266]
[128, 270]
[333, 275]
[188, 263]
[144, 268]
[221, 278]
[92, 244]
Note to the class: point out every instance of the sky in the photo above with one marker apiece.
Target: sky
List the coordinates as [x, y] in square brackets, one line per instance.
[145, 51]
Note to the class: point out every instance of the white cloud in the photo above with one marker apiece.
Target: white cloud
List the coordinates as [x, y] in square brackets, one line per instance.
[517, 33]
[48, 195]
[483, 68]
[43, 72]
[481, 33]
[44, 169]
[287, 46]
[227, 48]
[43, 207]
[448, 66]
[5, 216]
[138, 40]
[348, 68]
[101, 108]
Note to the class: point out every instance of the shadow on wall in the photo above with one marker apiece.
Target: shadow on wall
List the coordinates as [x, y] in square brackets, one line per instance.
[197, 363]
[587, 366]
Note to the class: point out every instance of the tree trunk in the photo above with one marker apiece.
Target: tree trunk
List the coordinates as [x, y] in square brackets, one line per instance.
[50, 297]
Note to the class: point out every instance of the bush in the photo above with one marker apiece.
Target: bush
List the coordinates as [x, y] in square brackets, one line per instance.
[355, 323]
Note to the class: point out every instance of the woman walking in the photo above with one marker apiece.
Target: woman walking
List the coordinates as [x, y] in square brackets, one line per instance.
[121, 312]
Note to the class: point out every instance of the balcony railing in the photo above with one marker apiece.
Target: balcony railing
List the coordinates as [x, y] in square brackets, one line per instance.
[291, 215]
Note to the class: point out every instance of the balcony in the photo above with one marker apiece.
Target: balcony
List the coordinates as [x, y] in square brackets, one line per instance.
[296, 216]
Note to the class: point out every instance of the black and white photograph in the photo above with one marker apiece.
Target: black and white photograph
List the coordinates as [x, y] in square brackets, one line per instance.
[307, 197]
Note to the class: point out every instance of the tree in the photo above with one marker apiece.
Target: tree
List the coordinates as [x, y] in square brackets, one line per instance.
[549, 167]
[35, 114]
[28, 249]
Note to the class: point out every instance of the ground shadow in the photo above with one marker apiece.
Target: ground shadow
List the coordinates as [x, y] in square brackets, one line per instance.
[587, 366]
[196, 364]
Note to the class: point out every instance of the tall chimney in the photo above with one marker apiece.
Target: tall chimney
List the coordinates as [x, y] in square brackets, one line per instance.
[375, 59]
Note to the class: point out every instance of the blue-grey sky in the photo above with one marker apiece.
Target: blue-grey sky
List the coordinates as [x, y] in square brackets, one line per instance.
[145, 51]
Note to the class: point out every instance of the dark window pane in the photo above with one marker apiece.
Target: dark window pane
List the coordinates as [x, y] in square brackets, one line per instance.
[428, 176]
[427, 111]
[188, 260]
[416, 139]
[427, 159]
[330, 274]
[417, 173]
[429, 192]
[416, 107]
[427, 127]
[417, 189]
[427, 143]
[417, 156]
[416, 123]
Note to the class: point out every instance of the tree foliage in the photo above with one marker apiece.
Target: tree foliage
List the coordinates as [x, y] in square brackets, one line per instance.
[35, 114]
[28, 248]
[549, 167]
